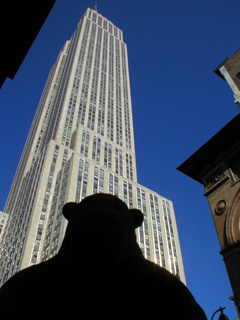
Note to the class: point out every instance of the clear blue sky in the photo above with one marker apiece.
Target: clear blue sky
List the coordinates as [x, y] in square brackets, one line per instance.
[178, 104]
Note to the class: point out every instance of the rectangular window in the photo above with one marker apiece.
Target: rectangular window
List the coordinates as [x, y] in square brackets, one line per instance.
[100, 21]
[96, 149]
[118, 161]
[85, 143]
[143, 229]
[128, 194]
[98, 181]
[110, 183]
[82, 180]
[108, 155]
[94, 17]
[170, 238]
[129, 166]
[105, 24]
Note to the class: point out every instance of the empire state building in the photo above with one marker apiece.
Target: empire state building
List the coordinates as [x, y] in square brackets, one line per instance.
[81, 142]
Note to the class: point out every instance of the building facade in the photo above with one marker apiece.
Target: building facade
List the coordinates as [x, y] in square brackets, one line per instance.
[229, 70]
[81, 142]
[3, 222]
[217, 166]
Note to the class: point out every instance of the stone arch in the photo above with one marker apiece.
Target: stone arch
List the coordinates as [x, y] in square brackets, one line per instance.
[232, 224]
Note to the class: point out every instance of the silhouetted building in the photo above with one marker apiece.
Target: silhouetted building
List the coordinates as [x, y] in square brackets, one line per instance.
[81, 142]
[216, 165]
[20, 23]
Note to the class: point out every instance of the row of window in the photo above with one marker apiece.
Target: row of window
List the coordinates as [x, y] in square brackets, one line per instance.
[44, 207]
[157, 231]
[13, 240]
[126, 99]
[119, 133]
[48, 109]
[143, 229]
[172, 252]
[159, 256]
[105, 63]
[98, 183]
[81, 189]
[97, 148]
[103, 86]
[53, 230]
[51, 243]
[3, 222]
[93, 96]
[84, 91]
[107, 25]
[110, 111]
[58, 104]
[87, 72]
[82, 180]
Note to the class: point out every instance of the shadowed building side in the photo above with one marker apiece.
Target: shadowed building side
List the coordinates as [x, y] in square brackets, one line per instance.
[216, 165]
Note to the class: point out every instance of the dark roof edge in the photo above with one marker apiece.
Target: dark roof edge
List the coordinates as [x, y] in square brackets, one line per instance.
[217, 70]
[189, 166]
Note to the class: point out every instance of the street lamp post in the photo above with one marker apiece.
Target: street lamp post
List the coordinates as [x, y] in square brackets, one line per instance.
[222, 315]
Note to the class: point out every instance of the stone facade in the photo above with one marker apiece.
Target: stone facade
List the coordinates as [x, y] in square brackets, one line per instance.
[229, 70]
[217, 166]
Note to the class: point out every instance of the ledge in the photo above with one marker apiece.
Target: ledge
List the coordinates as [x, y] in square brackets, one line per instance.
[217, 186]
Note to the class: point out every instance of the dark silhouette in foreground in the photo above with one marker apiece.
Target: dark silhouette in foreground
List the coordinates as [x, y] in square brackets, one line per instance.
[99, 271]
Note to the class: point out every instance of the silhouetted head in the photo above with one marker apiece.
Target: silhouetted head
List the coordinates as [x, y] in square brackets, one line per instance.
[101, 230]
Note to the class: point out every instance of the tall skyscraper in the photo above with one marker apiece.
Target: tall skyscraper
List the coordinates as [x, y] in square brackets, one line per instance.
[82, 142]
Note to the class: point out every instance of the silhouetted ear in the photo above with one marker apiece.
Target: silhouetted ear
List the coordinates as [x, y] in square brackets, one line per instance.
[68, 209]
[137, 217]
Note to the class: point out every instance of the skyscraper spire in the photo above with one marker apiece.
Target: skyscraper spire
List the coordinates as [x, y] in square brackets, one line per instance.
[95, 6]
